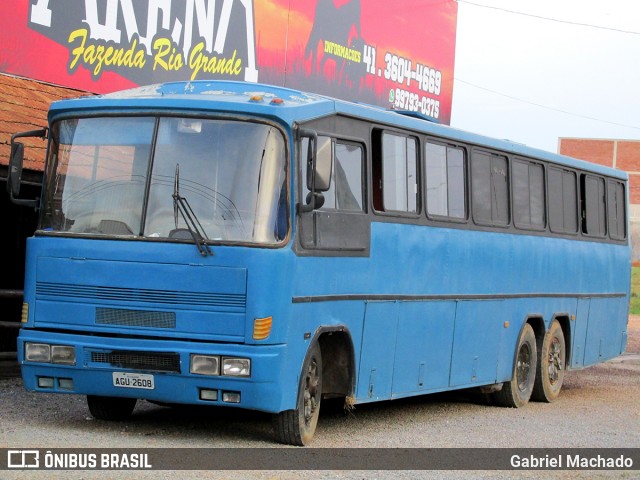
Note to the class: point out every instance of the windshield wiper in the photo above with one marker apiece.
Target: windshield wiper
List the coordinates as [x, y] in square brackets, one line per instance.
[181, 204]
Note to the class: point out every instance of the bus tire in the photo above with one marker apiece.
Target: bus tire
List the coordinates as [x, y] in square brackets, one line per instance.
[516, 392]
[296, 427]
[111, 408]
[551, 365]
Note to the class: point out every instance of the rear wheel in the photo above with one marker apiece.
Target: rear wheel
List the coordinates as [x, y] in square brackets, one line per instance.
[551, 365]
[516, 393]
[110, 408]
[296, 427]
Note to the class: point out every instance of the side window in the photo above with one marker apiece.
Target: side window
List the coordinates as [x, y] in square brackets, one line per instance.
[528, 195]
[395, 173]
[490, 190]
[593, 205]
[445, 181]
[616, 210]
[347, 177]
[345, 190]
[563, 203]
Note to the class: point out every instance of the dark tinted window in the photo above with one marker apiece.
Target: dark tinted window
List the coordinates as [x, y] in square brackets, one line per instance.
[528, 195]
[593, 205]
[616, 210]
[490, 191]
[563, 201]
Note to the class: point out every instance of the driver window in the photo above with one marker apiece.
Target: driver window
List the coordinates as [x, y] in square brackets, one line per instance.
[345, 191]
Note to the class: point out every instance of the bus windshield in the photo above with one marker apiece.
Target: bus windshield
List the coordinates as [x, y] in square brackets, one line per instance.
[120, 176]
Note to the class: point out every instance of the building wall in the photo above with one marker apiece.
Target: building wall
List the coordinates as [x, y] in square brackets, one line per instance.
[621, 154]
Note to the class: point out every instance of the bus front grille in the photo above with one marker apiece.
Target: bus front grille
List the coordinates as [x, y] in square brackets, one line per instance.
[135, 318]
[147, 361]
[71, 292]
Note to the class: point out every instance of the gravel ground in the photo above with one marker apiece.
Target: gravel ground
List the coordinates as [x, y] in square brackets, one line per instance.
[598, 408]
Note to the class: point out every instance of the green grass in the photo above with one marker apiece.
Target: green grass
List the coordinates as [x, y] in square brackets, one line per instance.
[634, 307]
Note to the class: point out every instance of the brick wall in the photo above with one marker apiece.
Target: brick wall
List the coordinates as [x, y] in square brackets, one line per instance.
[622, 154]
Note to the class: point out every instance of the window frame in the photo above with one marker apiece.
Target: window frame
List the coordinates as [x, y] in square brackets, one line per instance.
[465, 181]
[363, 156]
[562, 169]
[585, 211]
[377, 145]
[612, 183]
[545, 220]
[363, 178]
[474, 214]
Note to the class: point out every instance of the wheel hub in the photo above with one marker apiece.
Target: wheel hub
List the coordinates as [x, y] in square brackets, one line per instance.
[523, 367]
[555, 360]
[311, 392]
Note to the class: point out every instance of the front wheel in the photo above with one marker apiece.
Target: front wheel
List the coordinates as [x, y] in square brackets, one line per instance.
[551, 365]
[516, 393]
[111, 408]
[296, 427]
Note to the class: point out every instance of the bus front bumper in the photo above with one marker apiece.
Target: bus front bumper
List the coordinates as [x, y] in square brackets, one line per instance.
[154, 369]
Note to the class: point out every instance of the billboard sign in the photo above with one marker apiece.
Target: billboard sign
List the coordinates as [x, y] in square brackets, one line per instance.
[394, 54]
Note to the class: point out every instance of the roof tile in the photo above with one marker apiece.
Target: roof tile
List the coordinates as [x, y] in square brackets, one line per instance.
[23, 106]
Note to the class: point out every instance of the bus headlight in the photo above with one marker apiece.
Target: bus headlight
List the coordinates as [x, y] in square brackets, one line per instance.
[63, 354]
[236, 367]
[37, 352]
[205, 364]
[45, 353]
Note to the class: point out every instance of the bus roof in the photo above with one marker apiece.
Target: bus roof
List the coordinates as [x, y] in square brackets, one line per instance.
[291, 106]
[201, 96]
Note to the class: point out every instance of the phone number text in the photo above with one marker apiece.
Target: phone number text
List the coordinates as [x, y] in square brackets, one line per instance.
[404, 100]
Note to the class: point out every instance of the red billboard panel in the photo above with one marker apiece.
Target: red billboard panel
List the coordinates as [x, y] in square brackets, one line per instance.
[394, 54]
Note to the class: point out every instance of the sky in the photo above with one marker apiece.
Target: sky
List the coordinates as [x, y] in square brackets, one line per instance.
[533, 80]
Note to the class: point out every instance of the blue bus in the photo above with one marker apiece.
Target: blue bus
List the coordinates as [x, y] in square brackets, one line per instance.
[249, 246]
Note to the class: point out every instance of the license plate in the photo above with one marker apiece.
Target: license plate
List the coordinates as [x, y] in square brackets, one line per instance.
[133, 380]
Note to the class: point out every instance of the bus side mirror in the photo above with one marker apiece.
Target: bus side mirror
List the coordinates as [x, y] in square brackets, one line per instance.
[14, 175]
[324, 164]
[319, 158]
[15, 169]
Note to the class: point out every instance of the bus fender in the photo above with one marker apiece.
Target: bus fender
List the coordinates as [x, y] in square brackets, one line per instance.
[338, 360]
